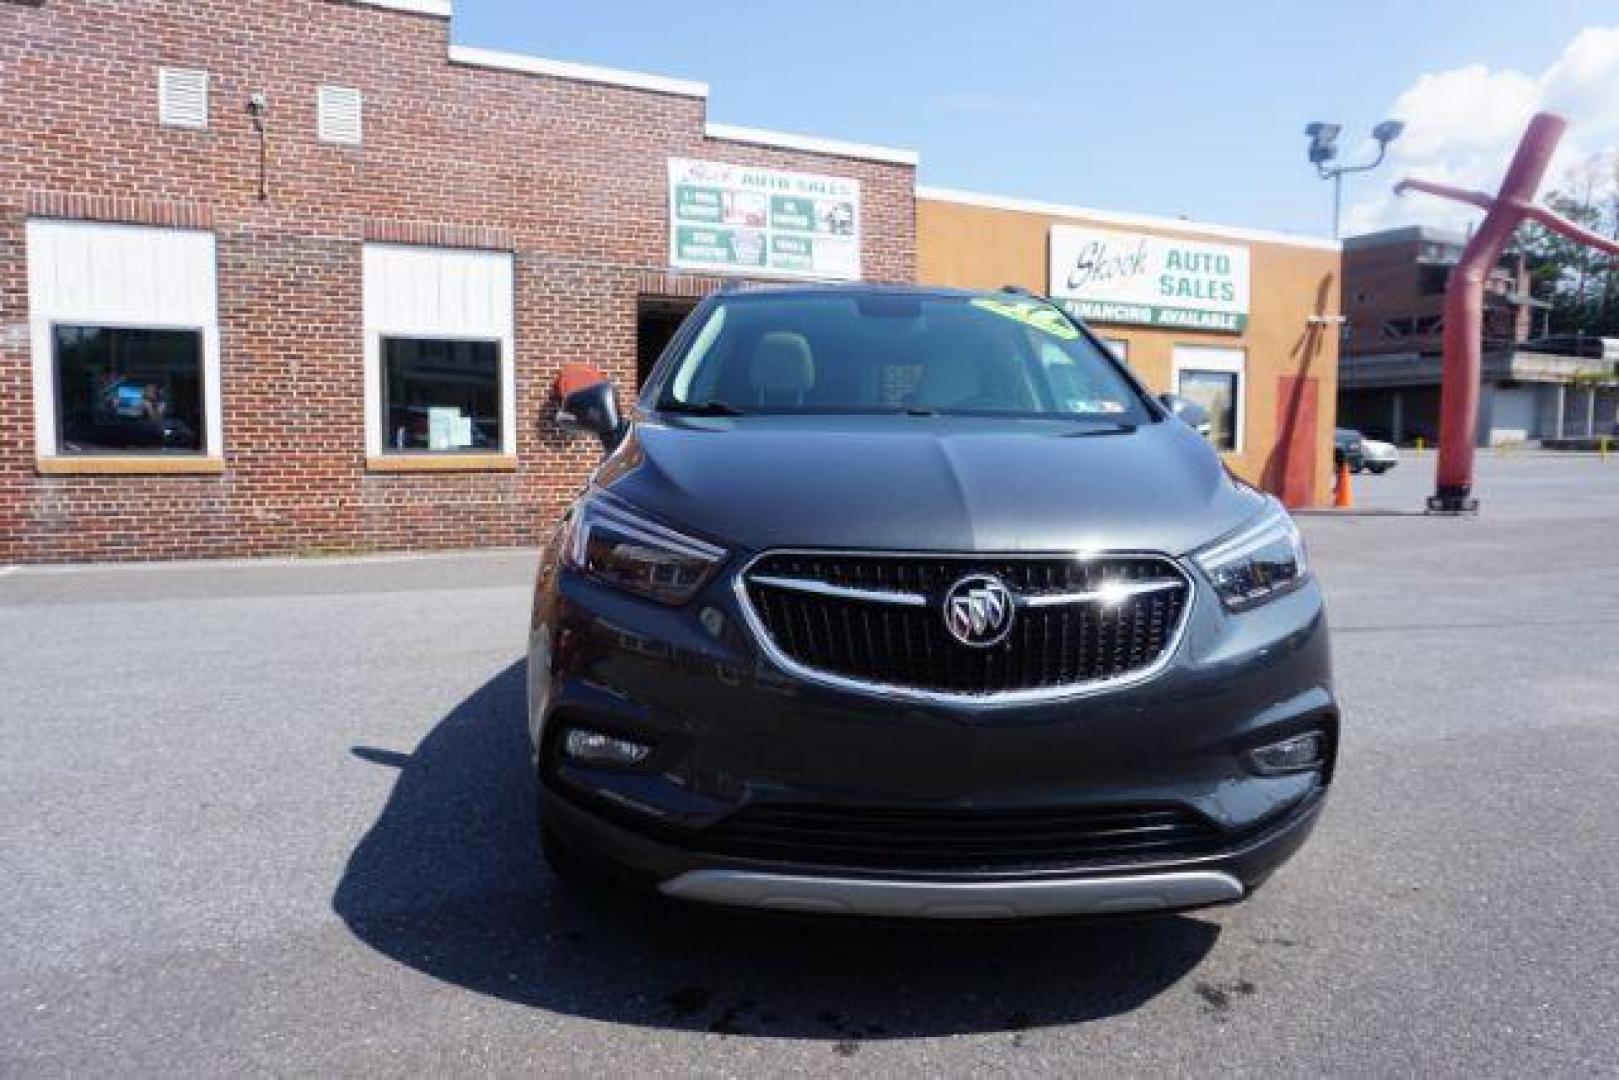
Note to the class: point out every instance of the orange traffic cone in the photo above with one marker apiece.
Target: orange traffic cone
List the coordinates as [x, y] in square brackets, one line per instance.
[1343, 494]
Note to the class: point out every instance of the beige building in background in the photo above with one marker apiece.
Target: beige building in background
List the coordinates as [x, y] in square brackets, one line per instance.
[1244, 321]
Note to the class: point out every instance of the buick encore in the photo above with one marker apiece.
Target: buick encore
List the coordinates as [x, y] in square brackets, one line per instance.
[914, 603]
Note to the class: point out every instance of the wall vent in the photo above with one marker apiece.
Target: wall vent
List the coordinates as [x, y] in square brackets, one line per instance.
[339, 109]
[182, 97]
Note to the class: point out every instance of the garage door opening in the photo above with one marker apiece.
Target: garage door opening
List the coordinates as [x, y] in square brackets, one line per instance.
[656, 320]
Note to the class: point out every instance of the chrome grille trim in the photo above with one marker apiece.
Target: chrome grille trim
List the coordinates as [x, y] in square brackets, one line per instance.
[786, 663]
[1110, 595]
[823, 588]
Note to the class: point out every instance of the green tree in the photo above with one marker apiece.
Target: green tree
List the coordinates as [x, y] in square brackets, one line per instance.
[1581, 284]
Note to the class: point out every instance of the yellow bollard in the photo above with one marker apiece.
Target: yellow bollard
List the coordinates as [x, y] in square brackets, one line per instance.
[1604, 447]
[1420, 445]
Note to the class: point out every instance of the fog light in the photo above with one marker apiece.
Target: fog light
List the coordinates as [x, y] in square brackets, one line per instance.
[1291, 755]
[594, 748]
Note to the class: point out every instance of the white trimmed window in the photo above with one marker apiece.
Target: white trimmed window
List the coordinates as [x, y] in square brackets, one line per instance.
[124, 326]
[182, 97]
[1217, 379]
[339, 115]
[439, 343]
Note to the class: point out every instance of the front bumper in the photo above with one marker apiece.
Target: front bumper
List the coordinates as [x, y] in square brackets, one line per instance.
[681, 874]
[731, 731]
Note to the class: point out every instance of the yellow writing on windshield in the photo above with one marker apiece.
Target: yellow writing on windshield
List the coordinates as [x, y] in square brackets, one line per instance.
[1040, 316]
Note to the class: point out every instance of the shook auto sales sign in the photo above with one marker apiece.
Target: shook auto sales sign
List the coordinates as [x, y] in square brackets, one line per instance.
[1107, 276]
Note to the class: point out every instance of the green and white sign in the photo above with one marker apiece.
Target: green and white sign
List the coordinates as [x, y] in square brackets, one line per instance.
[1106, 276]
[741, 220]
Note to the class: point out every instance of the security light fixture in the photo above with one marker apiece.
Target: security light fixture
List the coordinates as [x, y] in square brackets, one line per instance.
[1324, 149]
[258, 108]
[1388, 131]
[1323, 142]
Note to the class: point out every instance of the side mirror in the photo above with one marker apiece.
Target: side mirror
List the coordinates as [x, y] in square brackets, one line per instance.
[589, 405]
[1187, 412]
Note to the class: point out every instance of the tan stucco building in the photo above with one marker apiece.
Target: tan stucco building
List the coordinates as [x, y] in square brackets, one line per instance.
[1243, 321]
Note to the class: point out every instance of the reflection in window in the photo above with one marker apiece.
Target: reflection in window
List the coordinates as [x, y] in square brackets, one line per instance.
[441, 396]
[128, 391]
[1217, 392]
[1078, 387]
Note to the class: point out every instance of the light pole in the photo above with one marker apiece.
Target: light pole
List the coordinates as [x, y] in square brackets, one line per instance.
[1324, 151]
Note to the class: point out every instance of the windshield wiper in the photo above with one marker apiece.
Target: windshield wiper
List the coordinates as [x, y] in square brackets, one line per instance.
[711, 407]
[1102, 429]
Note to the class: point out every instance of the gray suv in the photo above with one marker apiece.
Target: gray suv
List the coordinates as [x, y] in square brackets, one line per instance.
[913, 603]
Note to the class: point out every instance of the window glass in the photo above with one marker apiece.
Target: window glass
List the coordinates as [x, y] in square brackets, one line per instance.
[886, 352]
[1432, 280]
[441, 396]
[1217, 392]
[128, 391]
[1077, 386]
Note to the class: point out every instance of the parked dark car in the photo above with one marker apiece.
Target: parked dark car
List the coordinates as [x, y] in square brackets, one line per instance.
[1347, 449]
[913, 603]
[1363, 454]
[1581, 345]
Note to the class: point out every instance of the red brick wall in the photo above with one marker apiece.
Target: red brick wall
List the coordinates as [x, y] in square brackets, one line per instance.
[569, 175]
[1384, 282]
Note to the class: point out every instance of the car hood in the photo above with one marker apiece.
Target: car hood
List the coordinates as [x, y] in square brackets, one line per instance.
[932, 483]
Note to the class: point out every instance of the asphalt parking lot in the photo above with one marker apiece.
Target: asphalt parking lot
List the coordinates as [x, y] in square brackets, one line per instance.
[275, 818]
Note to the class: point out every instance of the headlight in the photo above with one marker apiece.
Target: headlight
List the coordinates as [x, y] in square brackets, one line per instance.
[1259, 563]
[614, 544]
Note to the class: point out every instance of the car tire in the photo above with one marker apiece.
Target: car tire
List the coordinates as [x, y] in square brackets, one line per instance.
[1357, 469]
[1378, 470]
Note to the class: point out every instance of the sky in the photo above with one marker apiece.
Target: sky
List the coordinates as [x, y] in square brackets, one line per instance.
[1174, 107]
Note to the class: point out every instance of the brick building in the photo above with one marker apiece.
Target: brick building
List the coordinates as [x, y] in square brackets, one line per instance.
[1389, 377]
[297, 275]
[1394, 292]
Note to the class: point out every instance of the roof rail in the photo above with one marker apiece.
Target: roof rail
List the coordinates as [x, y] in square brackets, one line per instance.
[1019, 290]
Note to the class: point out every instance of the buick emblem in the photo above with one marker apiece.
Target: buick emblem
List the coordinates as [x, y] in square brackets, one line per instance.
[978, 611]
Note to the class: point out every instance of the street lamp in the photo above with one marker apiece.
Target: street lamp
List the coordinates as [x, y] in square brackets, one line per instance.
[1324, 151]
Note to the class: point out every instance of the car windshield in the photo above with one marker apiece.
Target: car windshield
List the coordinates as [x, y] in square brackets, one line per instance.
[999, 355]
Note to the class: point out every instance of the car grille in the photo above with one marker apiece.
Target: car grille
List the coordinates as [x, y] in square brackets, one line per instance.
[878, 620]
[961, 840]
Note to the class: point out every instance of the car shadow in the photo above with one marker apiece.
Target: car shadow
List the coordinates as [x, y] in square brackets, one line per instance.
[450, 881]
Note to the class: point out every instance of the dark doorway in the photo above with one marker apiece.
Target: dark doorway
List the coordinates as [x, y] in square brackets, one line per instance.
[656, 320]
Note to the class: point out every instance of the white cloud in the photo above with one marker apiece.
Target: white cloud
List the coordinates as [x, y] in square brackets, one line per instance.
[1463, 125]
